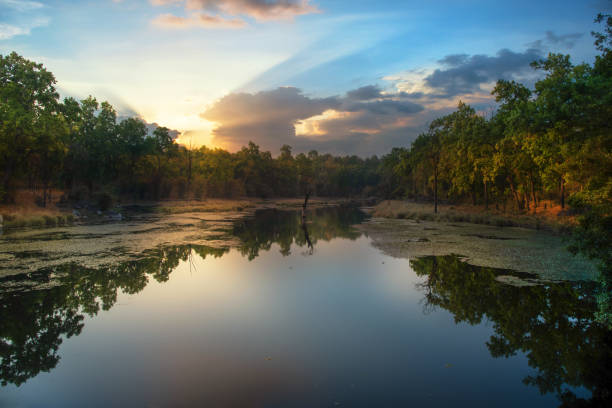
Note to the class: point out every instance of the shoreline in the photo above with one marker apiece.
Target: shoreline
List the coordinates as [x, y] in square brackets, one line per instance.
[17, 217]
[550, 219]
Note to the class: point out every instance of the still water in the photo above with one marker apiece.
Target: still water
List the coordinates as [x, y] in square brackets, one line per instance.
[293, 317]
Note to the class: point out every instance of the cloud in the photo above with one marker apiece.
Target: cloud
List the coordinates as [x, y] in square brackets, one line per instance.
[197, 20]
[369, 119]
[552, 39]
[8, 31]
[257, 9]
[21, 5]
[364, 93]
[465, 74]
[213, 13]
[355, 123]
[384, 107]
[19, 19]
[267, 117]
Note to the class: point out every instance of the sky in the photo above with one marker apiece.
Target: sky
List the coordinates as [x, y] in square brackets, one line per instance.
[339, 76]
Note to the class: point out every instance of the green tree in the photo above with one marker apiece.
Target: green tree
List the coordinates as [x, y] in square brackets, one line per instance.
[28, 102]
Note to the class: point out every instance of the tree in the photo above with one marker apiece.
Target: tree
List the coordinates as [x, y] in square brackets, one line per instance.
[131, 134]
[28, 101]
[163, 148]
[427, 149]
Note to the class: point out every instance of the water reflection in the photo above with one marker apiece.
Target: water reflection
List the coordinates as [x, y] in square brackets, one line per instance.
[285, 228]
[552, 324]
[39, 309]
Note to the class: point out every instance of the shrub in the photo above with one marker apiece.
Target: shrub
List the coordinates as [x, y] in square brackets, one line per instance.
[50, 220]
[104, 201]
[36, 222]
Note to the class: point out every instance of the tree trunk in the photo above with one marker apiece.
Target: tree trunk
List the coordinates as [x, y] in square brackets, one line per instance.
[514, 194]
[45, 186]
[533, 194]
[189, 169]
[304, 208]
[486, 196]
[562, 193]
[308, 241]
[435, 190]
[6, 179]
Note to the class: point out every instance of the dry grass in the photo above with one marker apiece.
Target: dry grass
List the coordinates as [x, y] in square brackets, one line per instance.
[25, 213]
[45, 220]
[549, 219]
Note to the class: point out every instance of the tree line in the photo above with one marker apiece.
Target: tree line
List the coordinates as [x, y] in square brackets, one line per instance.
[83, 148]
[552, 142]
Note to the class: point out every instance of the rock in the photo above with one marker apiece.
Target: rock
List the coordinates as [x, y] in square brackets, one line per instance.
[76, 214]
[115, 216]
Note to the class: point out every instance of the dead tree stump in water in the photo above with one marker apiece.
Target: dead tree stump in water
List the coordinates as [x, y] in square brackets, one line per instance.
[304, 228]
[304, 208]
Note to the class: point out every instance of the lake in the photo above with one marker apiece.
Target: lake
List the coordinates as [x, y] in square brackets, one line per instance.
[257, 311]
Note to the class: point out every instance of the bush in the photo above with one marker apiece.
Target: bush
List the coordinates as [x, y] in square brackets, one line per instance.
[50, 220]
[181, 189]
[38, 200]
[104, 201]
[79, 193]
[36, 222]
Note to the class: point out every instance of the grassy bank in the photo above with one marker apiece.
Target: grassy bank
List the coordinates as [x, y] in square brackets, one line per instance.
[36, 221]
[550, 219]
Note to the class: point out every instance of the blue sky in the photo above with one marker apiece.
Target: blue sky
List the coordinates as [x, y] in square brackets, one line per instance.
[279, 71]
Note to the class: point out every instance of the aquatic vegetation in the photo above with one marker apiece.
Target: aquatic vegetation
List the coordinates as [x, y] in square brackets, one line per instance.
[525, 250]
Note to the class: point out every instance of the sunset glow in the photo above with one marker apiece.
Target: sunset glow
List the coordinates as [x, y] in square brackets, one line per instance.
[184, 56]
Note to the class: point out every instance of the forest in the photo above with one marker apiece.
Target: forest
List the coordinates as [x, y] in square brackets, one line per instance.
[549, 142]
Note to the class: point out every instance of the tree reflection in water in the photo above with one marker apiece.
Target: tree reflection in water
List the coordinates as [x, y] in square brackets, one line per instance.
[553, 324]
[285, 228]
[40, 309]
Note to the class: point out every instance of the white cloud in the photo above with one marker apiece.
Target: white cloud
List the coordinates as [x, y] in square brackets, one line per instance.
[21, 5]
[197, 20]
[8, 31]
[19, 17]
